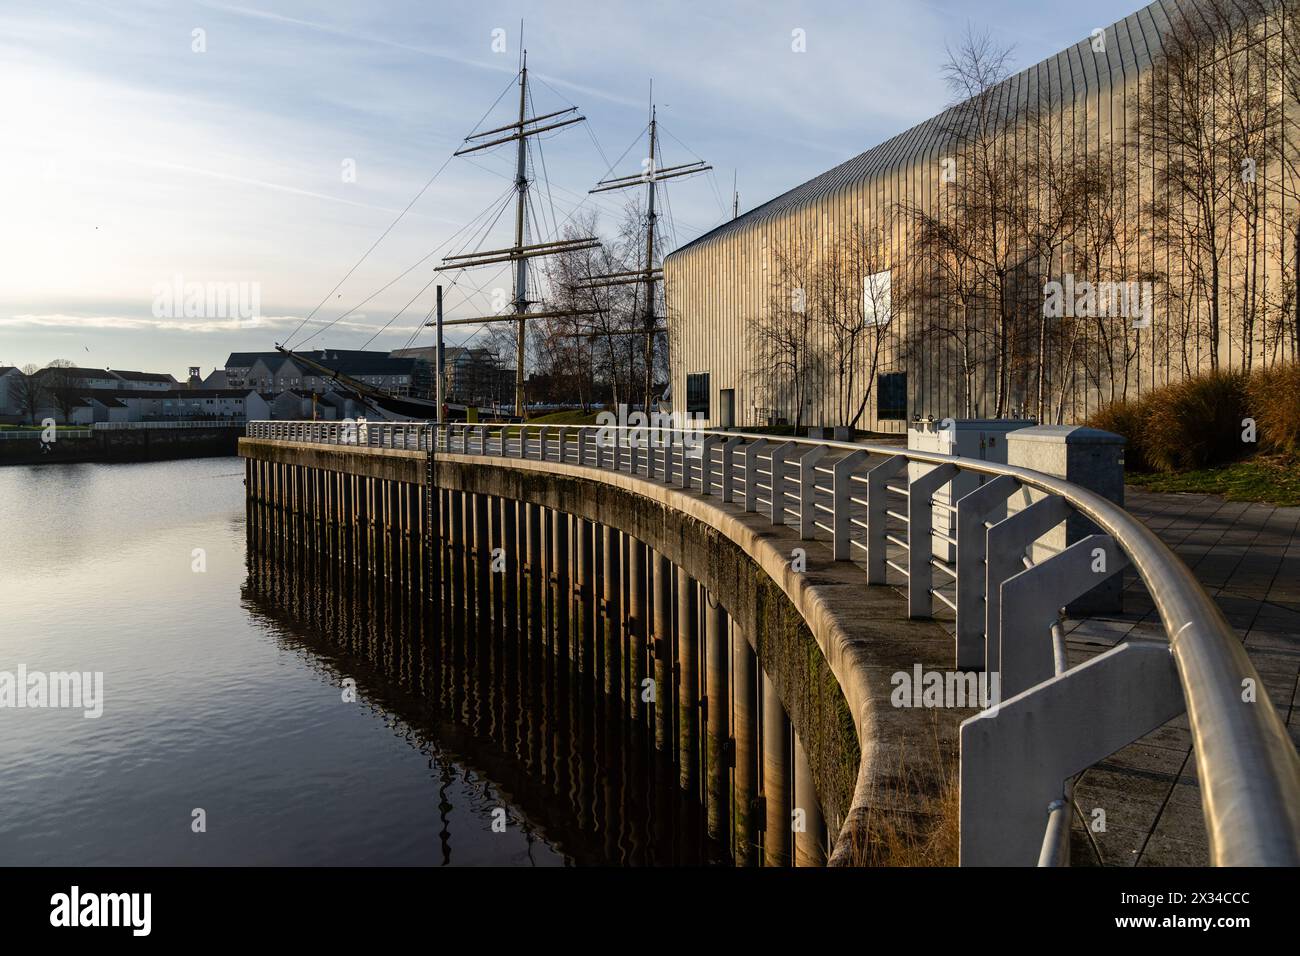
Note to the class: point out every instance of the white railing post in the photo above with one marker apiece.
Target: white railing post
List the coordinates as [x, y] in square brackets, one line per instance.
[842, 473]
[776, 481]
[1031, 603]
[920, 548]
[973, 509]
[1005, 546]
[877, 518]
[808, 491]
[752, 452]
[706, 463]
[1016, 756]
[728, 468]
[684, 476]
[633, 452]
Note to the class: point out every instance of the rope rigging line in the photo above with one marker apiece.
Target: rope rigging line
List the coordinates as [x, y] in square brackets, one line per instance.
[391, 282]
[423, 189]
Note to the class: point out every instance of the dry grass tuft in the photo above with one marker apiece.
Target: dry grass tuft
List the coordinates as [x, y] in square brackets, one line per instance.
[1273, 396]
[912, 824]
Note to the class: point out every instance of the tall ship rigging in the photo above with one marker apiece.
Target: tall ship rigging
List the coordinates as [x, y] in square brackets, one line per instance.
[521, 253]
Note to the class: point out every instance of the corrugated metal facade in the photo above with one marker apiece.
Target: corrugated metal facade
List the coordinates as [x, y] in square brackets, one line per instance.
[718, 285]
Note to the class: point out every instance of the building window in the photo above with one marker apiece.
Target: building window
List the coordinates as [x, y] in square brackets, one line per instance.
[697, 394]
[891, 396]
[877, 305]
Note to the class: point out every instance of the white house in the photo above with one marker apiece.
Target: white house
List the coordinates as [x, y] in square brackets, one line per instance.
[10, 411]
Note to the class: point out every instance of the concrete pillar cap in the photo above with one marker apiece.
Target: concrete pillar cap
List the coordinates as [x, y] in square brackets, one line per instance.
[1066, 434]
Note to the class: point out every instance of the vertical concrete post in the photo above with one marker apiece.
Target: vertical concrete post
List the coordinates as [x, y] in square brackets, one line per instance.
[510, 549]
[809, 846]
[637, 627]
[612, 637]
[688, 684]
[717, 707]
[560, 578]
[456, 544]
[536, 551]
[585, 580]
[776, 778]
[482, 555]
[744, 728]
[663, 650]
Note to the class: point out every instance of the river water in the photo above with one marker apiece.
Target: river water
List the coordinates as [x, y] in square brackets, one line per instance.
[212, 700]
[230, 733]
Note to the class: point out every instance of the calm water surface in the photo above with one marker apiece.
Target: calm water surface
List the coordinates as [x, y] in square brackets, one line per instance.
[213, 700]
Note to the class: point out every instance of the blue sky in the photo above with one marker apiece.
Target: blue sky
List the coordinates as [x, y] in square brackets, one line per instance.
[131, 160]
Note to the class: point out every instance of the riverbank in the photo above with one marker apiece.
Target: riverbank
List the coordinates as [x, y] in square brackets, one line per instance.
[134, 442]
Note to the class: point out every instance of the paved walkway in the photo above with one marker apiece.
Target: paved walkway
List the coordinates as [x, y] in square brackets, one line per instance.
[1248, 557]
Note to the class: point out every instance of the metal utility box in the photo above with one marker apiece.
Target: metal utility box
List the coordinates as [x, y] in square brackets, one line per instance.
[980, 438]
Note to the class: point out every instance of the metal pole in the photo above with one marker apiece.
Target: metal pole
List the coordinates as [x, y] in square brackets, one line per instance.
[521, 267]
[649, 271]
[439, 360]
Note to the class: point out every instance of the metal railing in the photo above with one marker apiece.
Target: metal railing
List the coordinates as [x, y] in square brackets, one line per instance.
[180, 423]
[38, 434]
[876, 504]
[88, 431]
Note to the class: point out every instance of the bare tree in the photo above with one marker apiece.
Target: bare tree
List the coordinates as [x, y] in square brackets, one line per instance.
[978, 238]
[1203, 119]
[780, 335]
[27, 392]
[61, 387]
[854, 302]
[603, 350]
[1282, 54]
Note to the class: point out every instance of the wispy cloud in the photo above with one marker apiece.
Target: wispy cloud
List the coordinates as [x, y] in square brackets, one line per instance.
[130, 156]
[125, 323]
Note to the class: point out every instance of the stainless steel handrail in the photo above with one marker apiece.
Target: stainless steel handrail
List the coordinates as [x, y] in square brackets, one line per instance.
[1248, 768]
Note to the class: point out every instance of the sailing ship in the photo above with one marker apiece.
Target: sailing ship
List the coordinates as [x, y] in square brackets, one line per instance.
[519, 255]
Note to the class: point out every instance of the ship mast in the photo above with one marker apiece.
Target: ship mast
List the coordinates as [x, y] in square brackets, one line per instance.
[651, 175]
[521, 211]
[520, 252]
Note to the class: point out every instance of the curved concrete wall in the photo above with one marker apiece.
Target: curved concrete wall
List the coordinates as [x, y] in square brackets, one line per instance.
[828, 641]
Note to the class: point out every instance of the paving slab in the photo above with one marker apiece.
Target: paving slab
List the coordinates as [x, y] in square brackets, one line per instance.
[1247, 556]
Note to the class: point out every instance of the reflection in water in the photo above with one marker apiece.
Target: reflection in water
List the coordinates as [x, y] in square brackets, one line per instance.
[610, 695]
[207, 702]
[487, 677]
